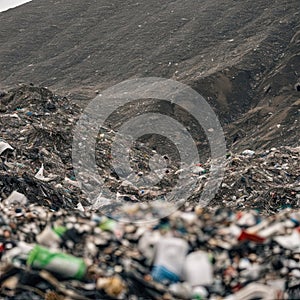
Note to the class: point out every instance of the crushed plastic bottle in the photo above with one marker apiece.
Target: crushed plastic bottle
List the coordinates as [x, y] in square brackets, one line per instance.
[65, 265]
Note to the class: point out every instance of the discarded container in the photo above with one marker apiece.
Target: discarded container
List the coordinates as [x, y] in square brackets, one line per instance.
[16, 198]
[169, 260]
[67, 266]
[111, 225]
[50, 237]
[198, 269]
[147, 244]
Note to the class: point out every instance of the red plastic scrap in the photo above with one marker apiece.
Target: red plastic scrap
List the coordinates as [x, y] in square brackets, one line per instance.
[246, 236]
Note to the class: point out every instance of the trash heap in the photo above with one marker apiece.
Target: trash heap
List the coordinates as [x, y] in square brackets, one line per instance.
[194, 254]
[36, 134]
[268, 180]
[56, 244]
[36, 159]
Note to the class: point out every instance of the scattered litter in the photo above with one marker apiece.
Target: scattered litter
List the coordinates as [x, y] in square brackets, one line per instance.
[40, 175]
[243, 245]
[15, 198]
[4, 146]
[248, 152]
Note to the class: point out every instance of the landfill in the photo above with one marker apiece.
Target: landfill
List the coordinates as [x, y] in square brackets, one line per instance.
[54, 245]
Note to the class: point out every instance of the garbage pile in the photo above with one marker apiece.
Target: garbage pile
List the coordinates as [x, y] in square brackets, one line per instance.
[190, 255]
[56, 244]
[36, 133]
[266, 180]
[36, 159]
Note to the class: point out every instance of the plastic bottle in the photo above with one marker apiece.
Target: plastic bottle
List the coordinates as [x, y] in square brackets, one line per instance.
[169, 260]
[65, 265]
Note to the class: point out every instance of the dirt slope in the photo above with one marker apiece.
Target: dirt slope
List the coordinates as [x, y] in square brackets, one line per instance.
[243, 56]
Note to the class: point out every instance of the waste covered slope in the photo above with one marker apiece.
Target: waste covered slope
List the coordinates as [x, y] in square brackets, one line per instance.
[275, 119]
[54, 244]
[57, 242]
[39, 125]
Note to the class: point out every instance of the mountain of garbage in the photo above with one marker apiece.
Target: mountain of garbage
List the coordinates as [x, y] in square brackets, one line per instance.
[57, 243]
